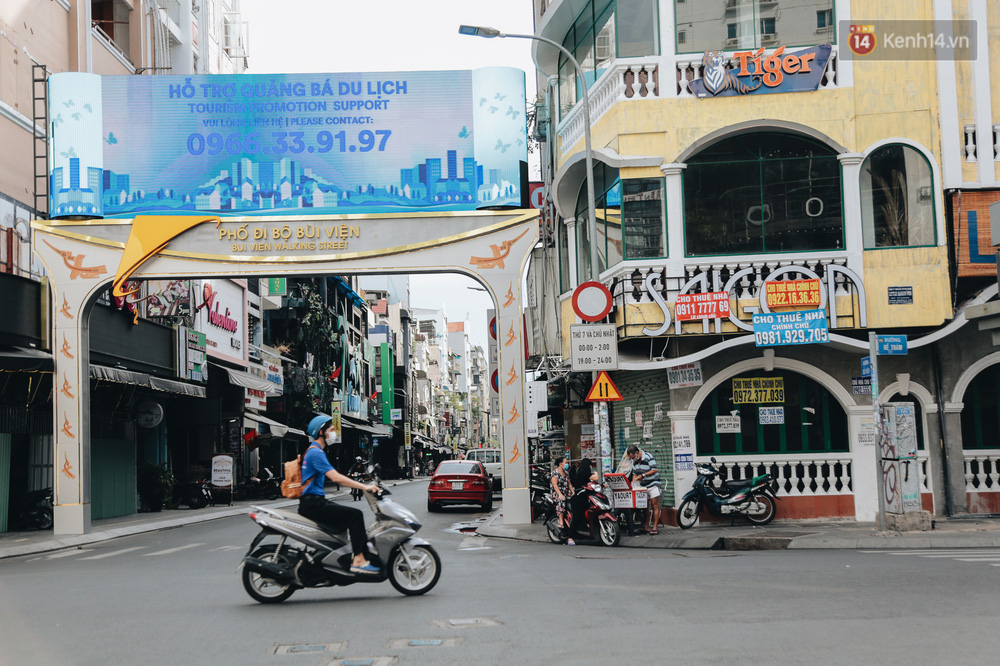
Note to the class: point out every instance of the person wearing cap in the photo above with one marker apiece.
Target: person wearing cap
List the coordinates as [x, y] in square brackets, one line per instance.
[316, 469]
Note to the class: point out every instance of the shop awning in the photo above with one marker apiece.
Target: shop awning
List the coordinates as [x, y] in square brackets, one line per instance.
[25, 359]
[375, 429]
[423, 441]
[171, 386]
[277, 429]
[246, 380]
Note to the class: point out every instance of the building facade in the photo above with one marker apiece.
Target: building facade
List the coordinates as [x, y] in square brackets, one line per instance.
[764, 158]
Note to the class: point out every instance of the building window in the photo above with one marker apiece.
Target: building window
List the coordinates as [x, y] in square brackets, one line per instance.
[897, 199]
[765, 192]
[111, 19]
[709, 26]
[681, 36]
[980, 414]
[607, 210]
[605, 29]
[643, 214]
[811, 420]
[824, 19]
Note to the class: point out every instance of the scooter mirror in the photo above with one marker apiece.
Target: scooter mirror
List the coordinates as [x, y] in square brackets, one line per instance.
[714, 460]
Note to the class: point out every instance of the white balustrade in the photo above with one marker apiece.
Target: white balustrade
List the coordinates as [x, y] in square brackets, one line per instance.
[797, 476]
[981, 471]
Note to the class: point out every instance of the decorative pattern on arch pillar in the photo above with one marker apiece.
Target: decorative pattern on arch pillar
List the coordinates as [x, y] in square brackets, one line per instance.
[82, 257]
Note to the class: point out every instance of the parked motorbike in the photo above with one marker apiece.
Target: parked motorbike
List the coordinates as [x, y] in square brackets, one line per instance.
[194, 494]
[309, 555]
[539, 486]
[599, 519]
[753, 498]
[33, 511]
[265, 486]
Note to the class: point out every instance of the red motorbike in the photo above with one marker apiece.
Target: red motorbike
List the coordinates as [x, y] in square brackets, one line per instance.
[599, 519]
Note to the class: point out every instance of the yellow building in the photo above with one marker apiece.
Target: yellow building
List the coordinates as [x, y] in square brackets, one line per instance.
[787, 156]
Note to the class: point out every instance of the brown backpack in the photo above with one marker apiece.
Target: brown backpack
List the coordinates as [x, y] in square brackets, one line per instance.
[291, 486]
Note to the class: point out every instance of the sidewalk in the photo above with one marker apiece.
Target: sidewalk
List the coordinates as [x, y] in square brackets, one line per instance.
[14, 544]
[958, 532]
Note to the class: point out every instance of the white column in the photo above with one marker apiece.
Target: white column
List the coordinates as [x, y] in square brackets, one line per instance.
[981, 89]
[952, 140]
[850, 164]
[682, 429]
[571, 250]
[674, 192]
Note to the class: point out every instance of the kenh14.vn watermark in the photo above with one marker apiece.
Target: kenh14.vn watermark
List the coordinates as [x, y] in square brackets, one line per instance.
[908, 40]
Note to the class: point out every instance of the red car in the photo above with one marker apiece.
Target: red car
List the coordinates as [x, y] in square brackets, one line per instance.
[460, 482]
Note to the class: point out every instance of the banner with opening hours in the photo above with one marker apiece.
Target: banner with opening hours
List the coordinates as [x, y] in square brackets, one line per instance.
[286, 144]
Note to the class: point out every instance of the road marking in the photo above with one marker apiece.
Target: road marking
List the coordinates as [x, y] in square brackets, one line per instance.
[474, 543]
[958, 555]
[226, 548]
[168, 551]
[978, 559]
[112, 553]
[68, 553]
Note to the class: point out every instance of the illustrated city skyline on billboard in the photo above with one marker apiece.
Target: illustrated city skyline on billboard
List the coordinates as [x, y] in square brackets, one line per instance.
[286, 144]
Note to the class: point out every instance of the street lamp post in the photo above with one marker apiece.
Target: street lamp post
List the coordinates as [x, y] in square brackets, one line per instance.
[480, 31]
[595, 272]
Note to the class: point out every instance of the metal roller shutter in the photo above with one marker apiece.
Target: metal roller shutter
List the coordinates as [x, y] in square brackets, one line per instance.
[648, 393]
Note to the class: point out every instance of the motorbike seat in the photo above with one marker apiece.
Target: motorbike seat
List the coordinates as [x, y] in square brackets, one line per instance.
[742, 483]
[299, 518]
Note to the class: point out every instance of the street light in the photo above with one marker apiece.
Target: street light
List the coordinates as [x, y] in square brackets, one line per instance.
[482, 31]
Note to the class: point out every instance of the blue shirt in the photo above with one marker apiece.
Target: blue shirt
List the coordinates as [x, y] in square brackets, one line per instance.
[315, 465]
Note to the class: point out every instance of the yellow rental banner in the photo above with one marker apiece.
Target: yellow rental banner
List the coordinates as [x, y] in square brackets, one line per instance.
[755, 390]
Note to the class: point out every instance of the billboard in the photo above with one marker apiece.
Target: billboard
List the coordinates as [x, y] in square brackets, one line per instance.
[286, 144]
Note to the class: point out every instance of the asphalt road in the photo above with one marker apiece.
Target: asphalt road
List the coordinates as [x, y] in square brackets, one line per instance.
[173, 597]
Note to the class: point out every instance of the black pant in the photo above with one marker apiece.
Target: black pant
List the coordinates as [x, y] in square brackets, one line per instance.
[338, 518]
[578, 507]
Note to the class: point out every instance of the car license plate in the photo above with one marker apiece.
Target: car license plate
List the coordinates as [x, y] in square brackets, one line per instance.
[456, 485]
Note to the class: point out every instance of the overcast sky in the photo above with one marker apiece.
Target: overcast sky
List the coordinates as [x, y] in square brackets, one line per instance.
[387, 36]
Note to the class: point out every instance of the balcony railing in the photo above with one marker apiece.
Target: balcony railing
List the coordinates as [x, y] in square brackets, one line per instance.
[798, 475]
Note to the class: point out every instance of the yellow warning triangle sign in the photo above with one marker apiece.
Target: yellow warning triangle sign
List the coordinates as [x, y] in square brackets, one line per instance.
[604, 390]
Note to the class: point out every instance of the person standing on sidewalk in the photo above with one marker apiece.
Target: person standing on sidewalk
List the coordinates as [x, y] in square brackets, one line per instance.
[562, 490]
[644, 472]
[316, 469]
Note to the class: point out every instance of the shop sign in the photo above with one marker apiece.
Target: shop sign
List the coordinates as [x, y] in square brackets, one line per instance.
[712, 305]
[335, 412]
[754, 72]
[168, 298]
[255, 399]
[771, 415]
[395, 414]
[284, 144]
[779, 329]
[861, 385]
[755, 390]
[274, 369]
[792, 293]
[731, 285]
[683, 462]
[685, 376]
[727, 424]
[192, 363]
[222, 471]
[276, 286]
[681, 442]
[221, 314]
[407, 437]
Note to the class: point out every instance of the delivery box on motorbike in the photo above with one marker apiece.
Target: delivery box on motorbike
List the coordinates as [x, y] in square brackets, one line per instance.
[624, 495]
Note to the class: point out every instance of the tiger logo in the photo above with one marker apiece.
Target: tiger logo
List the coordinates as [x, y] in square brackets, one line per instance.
[718, 78]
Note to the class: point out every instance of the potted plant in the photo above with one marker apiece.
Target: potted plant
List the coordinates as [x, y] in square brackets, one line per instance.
[154, 483]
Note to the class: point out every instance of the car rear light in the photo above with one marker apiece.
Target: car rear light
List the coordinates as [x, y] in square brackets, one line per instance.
[253, 516]
[475, 483]
[439, 483]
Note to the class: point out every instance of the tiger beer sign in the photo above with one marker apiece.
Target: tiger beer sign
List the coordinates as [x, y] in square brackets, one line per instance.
[757, 72]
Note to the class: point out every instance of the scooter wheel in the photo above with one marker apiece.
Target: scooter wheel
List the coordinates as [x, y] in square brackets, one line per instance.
[555, 533]
[263, 589]
[416, 572]
[687, 513]
[761, 510]
[608, 532]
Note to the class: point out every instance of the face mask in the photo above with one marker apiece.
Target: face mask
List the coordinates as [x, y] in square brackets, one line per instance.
[565, 465]
[331, 437]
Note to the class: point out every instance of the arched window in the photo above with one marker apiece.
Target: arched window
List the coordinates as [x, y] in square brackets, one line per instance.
[607, 210]
[764, 192]
[981, 411]
[801, 417]
[897, 198]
